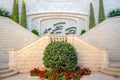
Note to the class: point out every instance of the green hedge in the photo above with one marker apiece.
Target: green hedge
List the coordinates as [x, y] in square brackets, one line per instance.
[4, 13]
[60, 56]
[113, 13]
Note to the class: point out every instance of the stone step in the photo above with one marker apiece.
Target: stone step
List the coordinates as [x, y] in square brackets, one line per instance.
[112, 69]
[110, 73]
[114, 66]
[5, 71]
[4, 67]
[8, 74]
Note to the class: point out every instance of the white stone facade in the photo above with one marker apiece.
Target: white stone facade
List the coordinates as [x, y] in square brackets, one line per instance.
[62, 10]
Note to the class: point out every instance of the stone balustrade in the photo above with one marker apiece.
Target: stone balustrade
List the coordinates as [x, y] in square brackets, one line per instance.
[30, 56]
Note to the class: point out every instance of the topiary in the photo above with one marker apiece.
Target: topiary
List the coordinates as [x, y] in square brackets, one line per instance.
[23, 19]
[15, 12]
[91, 17]
[101, 12]
[82, 32]
[35, 32]
[60, 56]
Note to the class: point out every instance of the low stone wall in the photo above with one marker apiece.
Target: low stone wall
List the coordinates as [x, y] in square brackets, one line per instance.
[30, 56]
[12, 35]
[90, 56]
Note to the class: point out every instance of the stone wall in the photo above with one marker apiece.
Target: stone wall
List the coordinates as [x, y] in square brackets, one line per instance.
[12, 35]
[30, 56]
[106, 35]
[40, 22]
[89, 55]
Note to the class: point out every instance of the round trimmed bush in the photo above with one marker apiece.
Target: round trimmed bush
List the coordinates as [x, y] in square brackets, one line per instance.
[35, 32]
[60, 56]
[82, 32]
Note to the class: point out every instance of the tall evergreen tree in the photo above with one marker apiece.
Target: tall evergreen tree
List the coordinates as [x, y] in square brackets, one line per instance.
[101, 11]
[92, 17]
[15, 12]
[23, 19]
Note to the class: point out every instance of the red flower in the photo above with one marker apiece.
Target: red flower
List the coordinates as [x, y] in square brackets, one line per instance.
[35, 69]
[83, 71]
[72, 72]
[66, 75]
[79, 71]
[58, 73]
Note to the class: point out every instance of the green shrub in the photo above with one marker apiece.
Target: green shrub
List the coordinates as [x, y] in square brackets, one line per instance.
[35, 32]
[23, 19]
[92, 17]
[15, 12]
[101, 12]
[113, 13]
[4, 13]
[82, 32]
[60, 56]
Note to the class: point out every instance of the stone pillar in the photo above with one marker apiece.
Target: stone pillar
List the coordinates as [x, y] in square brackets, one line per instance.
[70, 38]
[12, 59]
[104, 61]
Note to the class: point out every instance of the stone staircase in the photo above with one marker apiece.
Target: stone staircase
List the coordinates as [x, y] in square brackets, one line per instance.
[6, 72]
[112, 70]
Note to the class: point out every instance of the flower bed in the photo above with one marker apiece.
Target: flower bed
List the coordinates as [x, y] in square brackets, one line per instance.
[61, 59]
[74, 74]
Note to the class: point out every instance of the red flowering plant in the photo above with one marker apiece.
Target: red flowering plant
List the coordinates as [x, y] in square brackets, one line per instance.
[74, 74]
[61, 59]
[34, 72]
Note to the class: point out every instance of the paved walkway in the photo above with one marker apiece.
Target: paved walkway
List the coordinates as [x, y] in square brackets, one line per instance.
[94, 76]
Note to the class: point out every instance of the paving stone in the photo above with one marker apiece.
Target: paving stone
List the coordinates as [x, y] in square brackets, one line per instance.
[94, 76]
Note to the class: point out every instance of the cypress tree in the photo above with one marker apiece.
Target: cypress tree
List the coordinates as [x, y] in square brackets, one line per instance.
[92, 17]
[15, 12]
[101, 11]
[23, 19]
